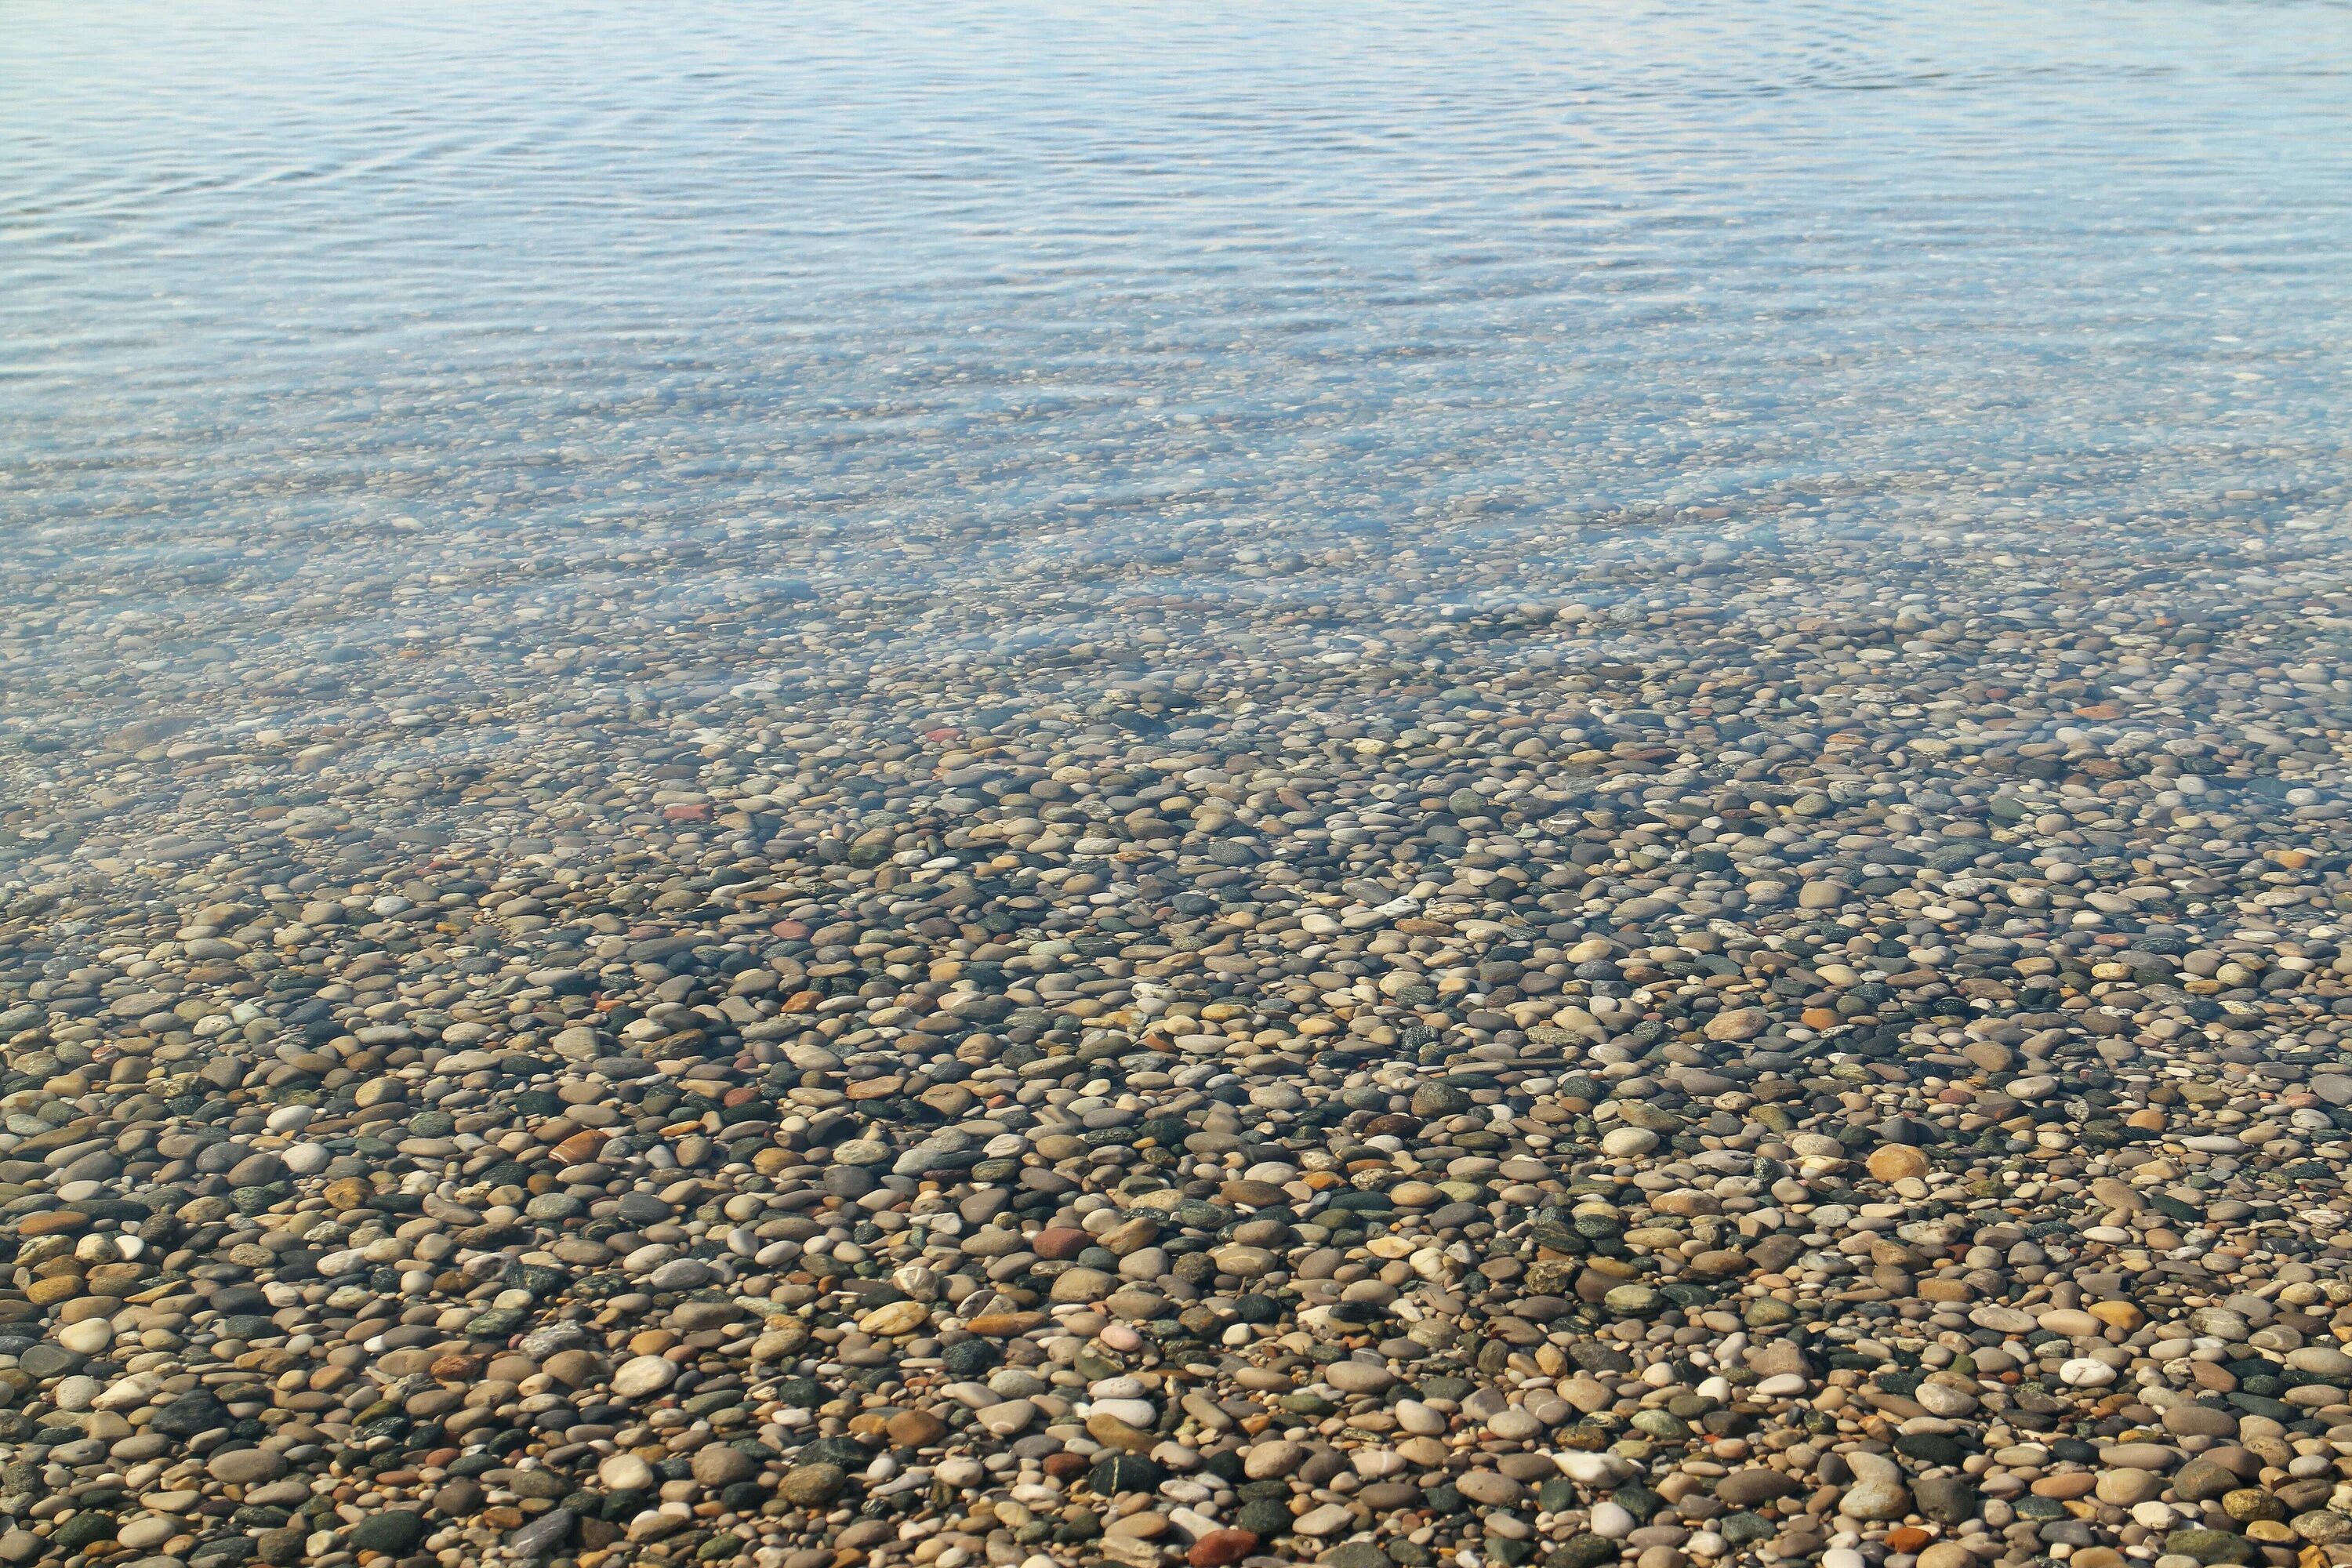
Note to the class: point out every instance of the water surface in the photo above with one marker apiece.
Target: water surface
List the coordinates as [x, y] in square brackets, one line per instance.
[437, 329]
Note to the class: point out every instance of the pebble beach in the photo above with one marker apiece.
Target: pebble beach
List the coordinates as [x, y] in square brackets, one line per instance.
[884, 1010]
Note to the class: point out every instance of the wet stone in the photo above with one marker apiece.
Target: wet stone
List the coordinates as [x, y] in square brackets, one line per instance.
[396, 1533]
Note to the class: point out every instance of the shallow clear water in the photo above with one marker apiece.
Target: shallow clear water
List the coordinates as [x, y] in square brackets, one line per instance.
[331, 331]
[966, 616]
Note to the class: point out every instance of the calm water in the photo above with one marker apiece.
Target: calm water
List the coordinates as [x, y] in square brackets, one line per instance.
[324, 327]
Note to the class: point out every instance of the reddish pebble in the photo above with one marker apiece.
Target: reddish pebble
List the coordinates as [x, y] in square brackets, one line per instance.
[582, 1146]
[1061, 1243]
[1220, 1547]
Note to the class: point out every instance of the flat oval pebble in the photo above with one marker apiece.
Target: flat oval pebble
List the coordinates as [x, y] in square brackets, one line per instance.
[644, 1374]
[1358, 1377]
